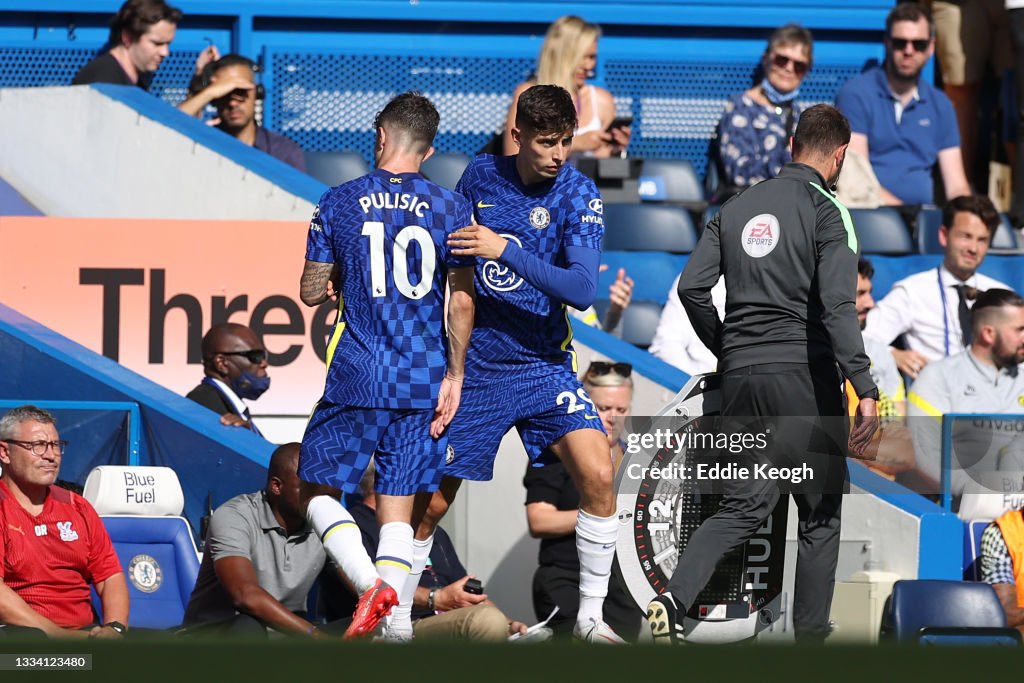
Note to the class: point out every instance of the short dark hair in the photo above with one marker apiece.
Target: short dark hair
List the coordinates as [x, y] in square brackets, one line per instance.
[136, 16]
[865, 269]
[546, 109]
[821, 131]
[978, 204]
[909, 11]
[987, 307]
[414, 114]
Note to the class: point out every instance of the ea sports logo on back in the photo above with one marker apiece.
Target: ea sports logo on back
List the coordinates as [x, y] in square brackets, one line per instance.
[760, 235]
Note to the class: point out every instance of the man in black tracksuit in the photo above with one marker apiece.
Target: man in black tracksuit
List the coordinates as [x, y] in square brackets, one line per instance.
[788, 251]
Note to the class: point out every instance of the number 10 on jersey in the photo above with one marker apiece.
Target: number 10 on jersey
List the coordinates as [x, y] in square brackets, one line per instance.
[374, 230]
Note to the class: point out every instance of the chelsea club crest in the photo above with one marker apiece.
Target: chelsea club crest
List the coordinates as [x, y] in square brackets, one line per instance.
[540, 218]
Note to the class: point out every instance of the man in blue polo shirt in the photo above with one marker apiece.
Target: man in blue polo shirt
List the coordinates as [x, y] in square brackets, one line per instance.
[901, 124]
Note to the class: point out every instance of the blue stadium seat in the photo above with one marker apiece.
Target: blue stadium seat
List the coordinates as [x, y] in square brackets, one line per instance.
[140, 508]
[670, 180]
[915, 605]
[709, 213]
[639, 322]
[648, 227]
[335, 168]
[929, 220]
[881, 231]
[445, 169]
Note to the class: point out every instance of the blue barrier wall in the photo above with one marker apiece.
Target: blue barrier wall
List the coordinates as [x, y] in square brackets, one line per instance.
[210, 459]
[328, 67]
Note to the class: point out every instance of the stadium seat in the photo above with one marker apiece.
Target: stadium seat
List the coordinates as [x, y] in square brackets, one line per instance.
[140, 508]
[639, 322]
[881, 231]
[670, 180]
[335, 168]
[930, 603]
[972, 548]
[445, 169]
[709, 213]
[648, 227]
[929, 220]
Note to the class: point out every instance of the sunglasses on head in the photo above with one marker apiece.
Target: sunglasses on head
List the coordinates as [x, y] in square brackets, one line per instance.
[900, 44]
[254, 356]
[782, 61]
[600, 367]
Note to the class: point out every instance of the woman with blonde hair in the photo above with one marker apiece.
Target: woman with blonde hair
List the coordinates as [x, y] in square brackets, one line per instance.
[568, 58]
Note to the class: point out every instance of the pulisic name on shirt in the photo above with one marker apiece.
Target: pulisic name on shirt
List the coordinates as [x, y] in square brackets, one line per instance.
[394, 200]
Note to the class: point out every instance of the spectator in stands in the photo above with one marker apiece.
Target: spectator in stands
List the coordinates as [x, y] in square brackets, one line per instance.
[229, 84]
[53, 546]
[442, 607]
[901, 124]
[261, 560]
[931, 307]
[552, 503]
[675, 340]
[620, 293]
[894, 449]
[1002, 564]
[235, 368]
[568, 57]
[140, 39]
[754, 131]
[985, 378]
[969, 36]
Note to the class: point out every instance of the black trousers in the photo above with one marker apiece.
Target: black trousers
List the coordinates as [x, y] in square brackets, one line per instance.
[755, 399]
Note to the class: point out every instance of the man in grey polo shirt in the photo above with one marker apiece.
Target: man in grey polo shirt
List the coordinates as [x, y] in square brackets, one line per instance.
[261, 559]
[984, 378]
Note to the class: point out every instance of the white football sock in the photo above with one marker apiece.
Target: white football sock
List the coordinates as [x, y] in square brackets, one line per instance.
[401, 615]
[342, 540]
[595, 544]
[394, 554]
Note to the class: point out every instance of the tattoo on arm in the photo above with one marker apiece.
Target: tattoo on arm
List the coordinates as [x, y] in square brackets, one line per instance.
[313, 287]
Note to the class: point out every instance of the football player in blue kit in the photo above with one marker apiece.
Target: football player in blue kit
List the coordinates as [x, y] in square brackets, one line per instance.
[540, 250]
[393, 379]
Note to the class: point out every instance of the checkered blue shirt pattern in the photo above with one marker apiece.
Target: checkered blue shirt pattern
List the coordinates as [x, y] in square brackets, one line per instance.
[996, 565]
[391, 352]
[515, 322]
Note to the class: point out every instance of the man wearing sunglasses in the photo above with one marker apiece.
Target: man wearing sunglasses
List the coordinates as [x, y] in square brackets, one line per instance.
[235, 368]
[53, 546]
[900, 124]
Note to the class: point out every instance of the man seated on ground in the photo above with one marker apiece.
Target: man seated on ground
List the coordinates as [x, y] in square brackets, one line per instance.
[229, 84]
[442, 607]
[261, 560]
[932, 308]
[53, 545]
[235, 368]
[1002, 564]
[985, 378]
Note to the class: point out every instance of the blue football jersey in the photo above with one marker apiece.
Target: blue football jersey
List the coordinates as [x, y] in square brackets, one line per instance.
[515, 322]
[387, 234]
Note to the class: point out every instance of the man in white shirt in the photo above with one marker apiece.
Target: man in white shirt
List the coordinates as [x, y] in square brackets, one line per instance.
[929, 307]
[984, 379]
[675, 341]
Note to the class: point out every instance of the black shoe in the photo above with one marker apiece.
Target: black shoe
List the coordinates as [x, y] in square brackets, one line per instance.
[661, 617]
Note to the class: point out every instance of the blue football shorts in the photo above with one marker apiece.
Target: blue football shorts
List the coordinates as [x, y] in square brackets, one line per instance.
[543, 402]
[340, 440]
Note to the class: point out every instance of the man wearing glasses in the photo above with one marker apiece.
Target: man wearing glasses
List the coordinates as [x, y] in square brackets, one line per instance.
[901, 124]
[235, 368]
[52, 542]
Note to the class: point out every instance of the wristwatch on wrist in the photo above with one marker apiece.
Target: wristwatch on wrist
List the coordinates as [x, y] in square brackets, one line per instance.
[120, 628]
[430, 599]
